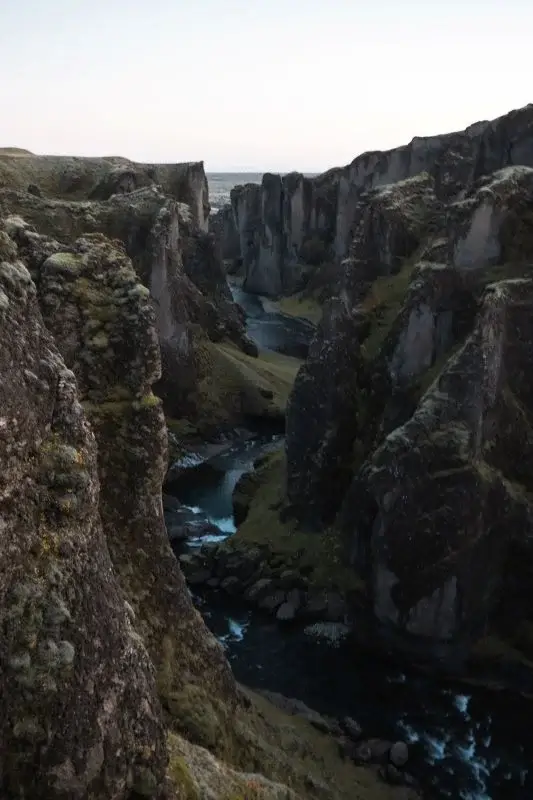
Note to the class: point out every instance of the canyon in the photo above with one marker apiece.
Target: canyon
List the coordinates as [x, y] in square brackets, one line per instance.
[111, 685]
[388, 500]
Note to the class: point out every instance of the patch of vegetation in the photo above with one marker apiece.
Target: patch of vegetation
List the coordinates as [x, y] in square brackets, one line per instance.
[383, 303]
[320, 557]
[179, 773]
[234, 384]
[299, 305]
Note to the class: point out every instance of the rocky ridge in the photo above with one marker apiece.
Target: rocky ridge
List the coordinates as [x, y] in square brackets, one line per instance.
[407, 445]
[279, 232]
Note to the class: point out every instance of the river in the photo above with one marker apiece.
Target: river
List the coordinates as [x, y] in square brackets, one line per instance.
[465, 745]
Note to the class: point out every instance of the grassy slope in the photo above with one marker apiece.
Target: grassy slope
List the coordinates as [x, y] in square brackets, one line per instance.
[234, 384]
[284, 748]
[320, 557]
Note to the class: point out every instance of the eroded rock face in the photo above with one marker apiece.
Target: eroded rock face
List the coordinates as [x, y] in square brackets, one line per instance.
[174, 259]
[279, 220]
[443, 498]
[326, 411]
[80, 716]
[73, 178]
[322, 416]
[103, 322]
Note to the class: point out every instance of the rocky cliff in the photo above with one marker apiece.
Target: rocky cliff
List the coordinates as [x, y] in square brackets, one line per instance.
[80, 715]
[416, 446]
[288, 225]
[173, 258]
[74, 178]
[110, 683]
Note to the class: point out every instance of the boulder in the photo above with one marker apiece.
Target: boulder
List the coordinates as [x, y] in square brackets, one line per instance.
[399, 754]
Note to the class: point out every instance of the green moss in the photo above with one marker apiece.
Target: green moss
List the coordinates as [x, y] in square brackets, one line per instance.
[232, 384]
[180, 775]
[320, 557]
[383, 304]
[69, 263]
[298, 305]
[118, 408]
[148, 401]
[100, 341]
[195, 715]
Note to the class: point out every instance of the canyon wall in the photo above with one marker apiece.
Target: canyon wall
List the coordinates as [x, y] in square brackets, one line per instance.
[418, 451]
[286, 226]
[75, 178]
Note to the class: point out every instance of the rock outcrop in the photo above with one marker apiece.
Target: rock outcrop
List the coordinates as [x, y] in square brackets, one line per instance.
[287, 226]
[74, 178]
[423, 409]
[103, 322]
[80, 715]
[453, 483]
[173, 258]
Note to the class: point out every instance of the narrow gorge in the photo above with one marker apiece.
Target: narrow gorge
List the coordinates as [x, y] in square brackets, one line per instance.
[265, 501]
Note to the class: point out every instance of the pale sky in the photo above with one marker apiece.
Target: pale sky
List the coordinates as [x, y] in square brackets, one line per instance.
[255, 84]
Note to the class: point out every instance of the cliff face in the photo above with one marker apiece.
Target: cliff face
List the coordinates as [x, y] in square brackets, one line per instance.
[417, 445]
[74, 178]
[102, 320]
[172, 257]
[80, 716]
[286, 226]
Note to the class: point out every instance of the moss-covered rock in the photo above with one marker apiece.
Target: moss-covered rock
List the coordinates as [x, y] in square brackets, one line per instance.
[80, 715]
[103, 322]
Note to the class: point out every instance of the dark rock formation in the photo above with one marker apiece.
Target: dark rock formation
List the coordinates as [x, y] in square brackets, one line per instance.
[74, 178]
[287, 225]
[322, 416]
[169, 254]
[80, 717]
[444, 498]
[103, 323]
[430, 406]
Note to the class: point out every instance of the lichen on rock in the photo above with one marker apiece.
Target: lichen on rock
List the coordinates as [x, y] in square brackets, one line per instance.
[80, 715]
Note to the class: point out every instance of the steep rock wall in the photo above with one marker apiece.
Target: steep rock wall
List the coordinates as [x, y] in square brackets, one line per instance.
[80, 717]
[173, 258]
[103, 322]
[289, 223]
[75, 178]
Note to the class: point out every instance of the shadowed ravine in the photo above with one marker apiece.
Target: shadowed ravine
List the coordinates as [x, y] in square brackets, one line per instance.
[473, 744]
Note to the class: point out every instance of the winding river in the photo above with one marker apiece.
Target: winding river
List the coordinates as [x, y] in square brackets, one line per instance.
[465, 745]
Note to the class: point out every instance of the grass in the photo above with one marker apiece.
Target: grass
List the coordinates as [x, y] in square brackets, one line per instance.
[233, 384]
[298, 305]
[273, 746]
[384, 302]
[320, 557]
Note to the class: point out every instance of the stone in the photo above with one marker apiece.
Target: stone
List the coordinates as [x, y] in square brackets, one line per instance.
[272, 602]
[379, 749]
[399, 754]
[289, 609]
[363, 754]
[231, 585]
[258, 590]
[352, 728]
[392, 775]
